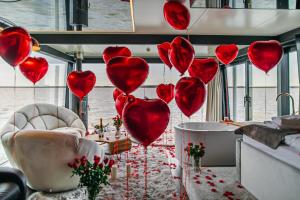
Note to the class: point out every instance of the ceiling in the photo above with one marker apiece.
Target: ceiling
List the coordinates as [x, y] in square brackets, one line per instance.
[146, 17]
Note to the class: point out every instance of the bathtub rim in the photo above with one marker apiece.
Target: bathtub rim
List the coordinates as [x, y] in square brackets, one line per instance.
[177, 127]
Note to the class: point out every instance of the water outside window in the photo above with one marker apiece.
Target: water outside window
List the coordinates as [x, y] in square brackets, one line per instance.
[51, 89]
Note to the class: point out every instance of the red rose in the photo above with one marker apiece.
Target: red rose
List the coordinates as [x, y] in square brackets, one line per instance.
[190, 144]
[105, 160]
[96, 160]
[71, 164]
[101, 165]
[83, 160]
[111, 163]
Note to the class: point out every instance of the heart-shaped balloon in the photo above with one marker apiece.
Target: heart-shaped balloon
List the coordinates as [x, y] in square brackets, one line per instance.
[265, 54]
[177, 15]
[81, 83]
[226, 53]
[34, 68]
[121, 102]
[165, 92]
[146, 119]
[127, 73]
[190, 95]
[205, 69]
[116, 93]
[163, 52]
[181, 54]
[15, 45]
[111, 52]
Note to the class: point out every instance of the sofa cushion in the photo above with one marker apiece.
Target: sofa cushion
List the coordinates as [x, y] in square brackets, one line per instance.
[71, 130]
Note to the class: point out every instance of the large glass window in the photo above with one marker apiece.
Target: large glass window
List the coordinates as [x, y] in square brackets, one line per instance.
[51, 89]
[102, 105]
[294, 79]
[236, 91]
[264, 90]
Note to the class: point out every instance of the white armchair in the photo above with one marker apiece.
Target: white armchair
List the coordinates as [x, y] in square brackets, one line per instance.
[40, 139]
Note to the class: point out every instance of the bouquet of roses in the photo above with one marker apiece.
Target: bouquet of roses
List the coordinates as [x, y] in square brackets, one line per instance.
[117, 122]
[92, 175]
[196, 151]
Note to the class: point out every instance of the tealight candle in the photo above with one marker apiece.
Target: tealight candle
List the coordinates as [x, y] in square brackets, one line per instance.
[114, 172]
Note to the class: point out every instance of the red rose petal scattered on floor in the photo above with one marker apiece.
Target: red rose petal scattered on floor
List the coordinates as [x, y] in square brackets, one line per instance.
[213, 190]
[208, 177]
[197, 176]
[198, 182]
[214, 176]
[240, 186]
[209, 170]
[221, 181]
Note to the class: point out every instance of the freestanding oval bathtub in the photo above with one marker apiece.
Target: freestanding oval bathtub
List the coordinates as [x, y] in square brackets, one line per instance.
[218, 138]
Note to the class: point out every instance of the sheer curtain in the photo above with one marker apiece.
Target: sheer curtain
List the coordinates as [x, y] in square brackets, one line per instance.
[214, 99]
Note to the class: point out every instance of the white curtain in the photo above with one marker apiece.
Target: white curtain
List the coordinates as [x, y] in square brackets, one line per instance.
[214, 99]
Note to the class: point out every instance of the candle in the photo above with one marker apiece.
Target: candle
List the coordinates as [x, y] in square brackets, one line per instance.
[128, 169]
[114, 172]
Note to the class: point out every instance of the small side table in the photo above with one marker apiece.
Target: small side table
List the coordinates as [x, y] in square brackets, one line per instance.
[111, 144]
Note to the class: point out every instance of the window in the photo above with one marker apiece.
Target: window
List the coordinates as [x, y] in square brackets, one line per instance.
[102, 105]
[51, 89]
[264, 89]
[236, 90]
[294, 79]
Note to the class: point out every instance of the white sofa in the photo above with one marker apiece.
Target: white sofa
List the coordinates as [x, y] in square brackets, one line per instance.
[40, 139]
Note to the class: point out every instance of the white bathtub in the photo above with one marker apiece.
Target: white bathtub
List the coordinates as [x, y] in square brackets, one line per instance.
[219, 139]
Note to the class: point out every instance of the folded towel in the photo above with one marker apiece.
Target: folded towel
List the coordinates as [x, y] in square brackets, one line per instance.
[293, 141]
[265, 134]
[291, 122]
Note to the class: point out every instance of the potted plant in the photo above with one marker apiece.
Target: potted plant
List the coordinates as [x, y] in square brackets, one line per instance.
[117, 124]
[92, 175]
[196, 152]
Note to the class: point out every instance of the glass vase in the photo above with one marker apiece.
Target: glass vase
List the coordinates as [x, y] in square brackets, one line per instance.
[197, 164]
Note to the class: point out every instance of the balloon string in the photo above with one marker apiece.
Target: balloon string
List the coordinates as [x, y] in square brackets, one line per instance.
[145, 173]
[15, 80]
[144, 91]
[164, 73]
[181, 149]
[266, 97]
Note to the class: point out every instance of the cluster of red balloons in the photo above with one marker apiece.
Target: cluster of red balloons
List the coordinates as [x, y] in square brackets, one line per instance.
[145, 119]
[15, 48]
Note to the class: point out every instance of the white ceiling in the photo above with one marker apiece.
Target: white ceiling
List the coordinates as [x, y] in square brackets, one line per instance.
[148, 18]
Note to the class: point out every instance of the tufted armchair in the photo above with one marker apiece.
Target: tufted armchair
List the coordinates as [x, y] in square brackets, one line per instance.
[40, 139]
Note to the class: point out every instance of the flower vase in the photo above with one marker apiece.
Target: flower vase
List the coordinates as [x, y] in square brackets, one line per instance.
[197, 164]
[92, 192]
[118, 133]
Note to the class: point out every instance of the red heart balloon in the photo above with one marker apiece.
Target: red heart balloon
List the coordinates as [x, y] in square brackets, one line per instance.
[165, 92]
[34, 68]
[265, 54]
[190, 95]
[163, 52]
[81, 83]
[121, 102]
[181, 54]
[116, 93]
[177, 15]
[111, 52]
[15, 45]
[127, 73]
[226, 53]
[205, 69]
[146, 119]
